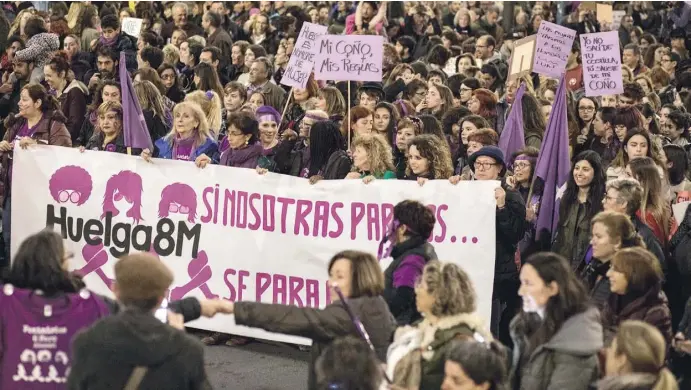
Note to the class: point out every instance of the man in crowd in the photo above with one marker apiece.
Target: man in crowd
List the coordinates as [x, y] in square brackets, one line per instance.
[143, 346]
[216, 36]
[180, 21]
[260, 72]
[212, 56]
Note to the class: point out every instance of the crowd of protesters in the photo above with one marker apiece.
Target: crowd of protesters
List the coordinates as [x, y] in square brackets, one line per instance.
[603, 301]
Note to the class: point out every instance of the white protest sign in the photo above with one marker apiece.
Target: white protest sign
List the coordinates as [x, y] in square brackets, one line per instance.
[132, 26]
[552, 49]
[602, 73]
[617, 16]
[231, 233]
[349, 57]
[302, 59]
[521, 61]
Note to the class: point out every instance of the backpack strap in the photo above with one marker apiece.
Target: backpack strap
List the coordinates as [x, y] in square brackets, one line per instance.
[136, 378]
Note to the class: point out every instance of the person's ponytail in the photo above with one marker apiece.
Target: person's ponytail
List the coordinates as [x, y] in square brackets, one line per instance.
[634, 240]
[666, 381]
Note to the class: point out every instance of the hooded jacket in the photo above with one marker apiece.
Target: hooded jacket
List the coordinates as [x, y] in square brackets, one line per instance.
[567, 361]
[105, 355]
[322, 325]
[73, 106]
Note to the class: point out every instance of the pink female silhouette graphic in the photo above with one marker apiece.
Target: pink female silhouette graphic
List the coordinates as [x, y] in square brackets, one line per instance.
[121, 188]
[96, 257]
[200, 273]
[178, 198]
[71, 184]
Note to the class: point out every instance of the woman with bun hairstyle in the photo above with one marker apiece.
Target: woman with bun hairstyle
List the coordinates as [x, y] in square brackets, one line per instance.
[39, 121]
[636, 360]
[475, 365]
[557, 335]
[70, 92]
[635, 279]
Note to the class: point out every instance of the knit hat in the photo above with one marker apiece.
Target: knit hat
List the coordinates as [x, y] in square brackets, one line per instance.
[489, 151]
[267, 113]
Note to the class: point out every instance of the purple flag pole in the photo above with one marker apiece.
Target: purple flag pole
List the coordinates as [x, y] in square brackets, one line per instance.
[133, 124]
[512, 138]
[553, 165]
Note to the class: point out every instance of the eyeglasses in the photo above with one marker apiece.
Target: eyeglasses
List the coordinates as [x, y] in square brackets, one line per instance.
[65, 195]
[466, 89]
[483, 165]
[235, 134]
[175, 208]
[521, 165]
[586, 109]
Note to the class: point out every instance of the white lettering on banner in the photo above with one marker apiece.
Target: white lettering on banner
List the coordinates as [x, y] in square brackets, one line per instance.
[231, 233]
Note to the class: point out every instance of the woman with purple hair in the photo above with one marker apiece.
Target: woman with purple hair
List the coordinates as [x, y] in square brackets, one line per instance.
[268, 120]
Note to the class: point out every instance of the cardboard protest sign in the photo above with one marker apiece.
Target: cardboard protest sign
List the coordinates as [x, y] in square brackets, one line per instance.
[601, 64]
[521, 61]
[132, 26]
[617, 16]
[588, 6]
[349, 57]
[302, 59]
[604, 13]
[552, 49]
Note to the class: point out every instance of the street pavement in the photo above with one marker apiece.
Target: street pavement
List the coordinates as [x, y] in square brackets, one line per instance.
[257, 366]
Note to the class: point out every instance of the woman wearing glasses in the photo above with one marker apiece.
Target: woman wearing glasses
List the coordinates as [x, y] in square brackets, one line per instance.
[169, 77]
[587, 107]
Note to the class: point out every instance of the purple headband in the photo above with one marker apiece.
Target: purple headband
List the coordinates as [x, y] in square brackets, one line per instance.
[209, 94]
[523, 157]
[401, 104]
[382, 252]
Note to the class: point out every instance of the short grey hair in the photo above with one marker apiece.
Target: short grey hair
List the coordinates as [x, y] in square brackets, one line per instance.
[630, 191]
[183, 6]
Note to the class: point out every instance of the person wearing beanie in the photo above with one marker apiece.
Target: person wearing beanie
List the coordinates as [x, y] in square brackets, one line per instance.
[488, 164]
[268, 119]
[369, 94]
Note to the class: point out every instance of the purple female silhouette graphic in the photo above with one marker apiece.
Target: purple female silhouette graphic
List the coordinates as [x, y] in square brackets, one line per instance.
[178, 198]
[71, 184]
[199, 271]
[124, 188]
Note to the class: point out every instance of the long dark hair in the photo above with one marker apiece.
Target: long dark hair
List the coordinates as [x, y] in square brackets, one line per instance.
[208, 79]
[49, 105]
[38, 265]
[391, 129]
[325, 139]
[595, 192]
[571, 299]
[533, 123]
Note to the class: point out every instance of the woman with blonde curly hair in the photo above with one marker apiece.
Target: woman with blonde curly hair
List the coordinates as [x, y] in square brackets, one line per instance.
[372, 159]
[188, 140]
[445, 297]
[429, 158]
[212, 106]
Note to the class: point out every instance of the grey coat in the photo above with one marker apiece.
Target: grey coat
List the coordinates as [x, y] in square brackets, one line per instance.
[568, 361]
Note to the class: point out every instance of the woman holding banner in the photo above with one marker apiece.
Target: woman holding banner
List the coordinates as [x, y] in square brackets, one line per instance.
[372, 159]
[359, 277]
[110, 137]
[188, 140]
[39, 121]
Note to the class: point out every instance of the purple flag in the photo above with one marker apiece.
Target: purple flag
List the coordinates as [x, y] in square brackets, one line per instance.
[553, 166]
[512, 137]
[133, 123]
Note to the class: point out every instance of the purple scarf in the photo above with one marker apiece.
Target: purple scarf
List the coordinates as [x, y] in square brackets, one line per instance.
[107, 42]
[242, 158]
[185, 147]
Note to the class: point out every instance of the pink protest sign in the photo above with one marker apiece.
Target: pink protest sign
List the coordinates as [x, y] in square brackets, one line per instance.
[349, 57]
[302, 59]
[552, 49]
[601, 64]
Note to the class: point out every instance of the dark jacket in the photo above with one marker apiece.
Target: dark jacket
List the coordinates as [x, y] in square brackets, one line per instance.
[105, 355]
[338, 166]
[73, 106]
[189, 28]
[510, 227]
[221, 39]
[651, 242]
[322, 325]
[50, 130]
[117, 145]
[573, 233]
[593, 276]
[650, 307]
[401, 299]
[680, 247]
[567, 361]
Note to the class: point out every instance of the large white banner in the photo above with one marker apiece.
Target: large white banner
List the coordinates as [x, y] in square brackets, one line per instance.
[232, 233]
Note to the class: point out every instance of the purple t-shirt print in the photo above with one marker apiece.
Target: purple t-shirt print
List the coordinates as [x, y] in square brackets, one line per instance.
[37, 334]
[183, 149]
